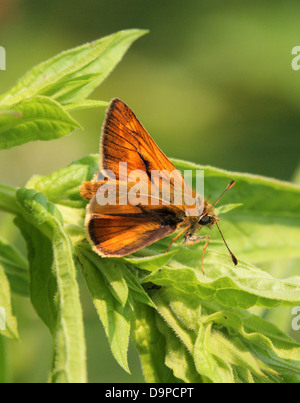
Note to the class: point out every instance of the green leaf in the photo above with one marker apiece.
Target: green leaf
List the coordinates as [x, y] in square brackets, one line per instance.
[209, 365]
[53, 285]
[32, 109]
[151, 345]
[112, 272]
[88, 103]
[257, 332]
[114, 316]
[242, 286]
[271, 350]
[152, 262]
[226, 345]
[8, 322]
[16, 269]
[226, 208]
[40, 118]
[176, 356]
[266, 227]
[138, 292]
[164, 300]
[72, 75]
[63, 186]
[8, 201]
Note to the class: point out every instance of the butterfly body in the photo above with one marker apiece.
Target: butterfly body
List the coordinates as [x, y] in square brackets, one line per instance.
[117, 228]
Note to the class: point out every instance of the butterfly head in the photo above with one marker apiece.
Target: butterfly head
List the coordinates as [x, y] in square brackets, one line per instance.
[208, 218]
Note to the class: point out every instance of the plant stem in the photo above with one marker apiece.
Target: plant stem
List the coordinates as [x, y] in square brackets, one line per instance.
[8, 201]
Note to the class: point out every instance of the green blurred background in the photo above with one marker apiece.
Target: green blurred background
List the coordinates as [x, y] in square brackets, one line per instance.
[212, 82]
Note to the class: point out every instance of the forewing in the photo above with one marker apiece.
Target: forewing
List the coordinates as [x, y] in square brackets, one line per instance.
[124, 139]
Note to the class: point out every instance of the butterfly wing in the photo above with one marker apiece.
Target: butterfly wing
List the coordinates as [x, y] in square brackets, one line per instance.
[125, 139]
[114, 236]
[118, 230]
[121, 230]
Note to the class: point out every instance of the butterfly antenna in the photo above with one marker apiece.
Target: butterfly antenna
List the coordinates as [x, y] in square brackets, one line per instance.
[234, 259]
[231, 184]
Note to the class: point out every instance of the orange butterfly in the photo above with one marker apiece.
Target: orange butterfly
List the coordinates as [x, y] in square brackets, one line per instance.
[118, 229]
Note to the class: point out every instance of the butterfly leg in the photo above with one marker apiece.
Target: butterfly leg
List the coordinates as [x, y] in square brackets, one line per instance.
[192, 240]
[176, 237]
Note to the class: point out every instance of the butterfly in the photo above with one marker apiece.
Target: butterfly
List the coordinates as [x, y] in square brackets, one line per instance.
[119, 228]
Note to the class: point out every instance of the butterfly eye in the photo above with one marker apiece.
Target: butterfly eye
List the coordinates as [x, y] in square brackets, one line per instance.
[204, 220]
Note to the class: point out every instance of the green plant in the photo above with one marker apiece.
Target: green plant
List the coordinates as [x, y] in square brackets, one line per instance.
[194, 328]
